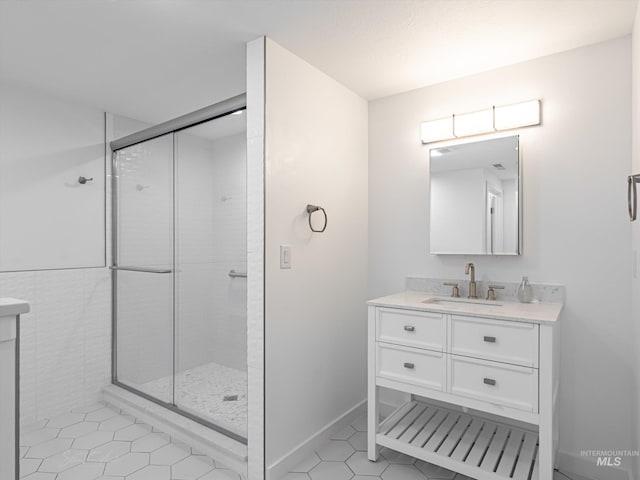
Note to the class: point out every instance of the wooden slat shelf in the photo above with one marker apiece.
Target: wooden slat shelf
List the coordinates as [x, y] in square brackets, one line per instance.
[474, 446]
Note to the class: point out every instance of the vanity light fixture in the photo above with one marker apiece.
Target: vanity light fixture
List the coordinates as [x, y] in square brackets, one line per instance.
[493, 119]
[436, 130]
[517, 115]
[473, 123]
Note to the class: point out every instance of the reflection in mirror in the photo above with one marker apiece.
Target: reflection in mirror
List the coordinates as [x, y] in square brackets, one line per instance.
[475, 205]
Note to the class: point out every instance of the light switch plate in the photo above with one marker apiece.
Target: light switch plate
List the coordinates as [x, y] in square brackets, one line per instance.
[285, 256]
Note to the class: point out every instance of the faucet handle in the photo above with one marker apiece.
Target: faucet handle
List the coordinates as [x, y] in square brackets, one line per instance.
[491, 293]
[455, 291]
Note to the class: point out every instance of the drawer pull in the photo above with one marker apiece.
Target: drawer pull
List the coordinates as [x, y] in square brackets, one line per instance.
[409, 328]
[408, 365]
[489, 381]
[490, 339]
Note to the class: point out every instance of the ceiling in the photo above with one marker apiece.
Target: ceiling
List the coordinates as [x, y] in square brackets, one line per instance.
[156, 59]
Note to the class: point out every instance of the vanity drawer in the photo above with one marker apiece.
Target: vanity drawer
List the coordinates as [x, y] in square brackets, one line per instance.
[498, 383]
[424, 368]
[414, 329]
[498, 340]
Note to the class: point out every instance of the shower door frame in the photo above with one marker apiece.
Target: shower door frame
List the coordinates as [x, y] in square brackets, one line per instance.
[212, 112]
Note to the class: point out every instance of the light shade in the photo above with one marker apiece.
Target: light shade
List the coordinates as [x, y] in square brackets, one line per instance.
[435, 130]
[473, 123]
[517, 115]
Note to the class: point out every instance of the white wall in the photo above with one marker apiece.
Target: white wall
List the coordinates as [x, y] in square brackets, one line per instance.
[576, 231]
[255, 258]
[316, 152]
[47, 144]
[49, 221]
[635, 236]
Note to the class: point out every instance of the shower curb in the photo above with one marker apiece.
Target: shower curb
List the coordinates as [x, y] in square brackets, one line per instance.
[230, 453]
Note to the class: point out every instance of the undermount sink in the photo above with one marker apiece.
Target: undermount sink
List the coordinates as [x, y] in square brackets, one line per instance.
[459, 302]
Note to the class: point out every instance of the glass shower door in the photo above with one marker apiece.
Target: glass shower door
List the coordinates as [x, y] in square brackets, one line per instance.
[144, 267]
[179, 269]
[211, 289]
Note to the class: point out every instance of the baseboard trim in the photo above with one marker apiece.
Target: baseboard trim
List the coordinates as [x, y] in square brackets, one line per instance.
[283, 465]
[278, 469]
[586, 467]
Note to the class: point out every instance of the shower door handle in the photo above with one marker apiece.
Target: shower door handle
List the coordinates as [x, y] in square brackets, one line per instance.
[141, 269]
[632, 196]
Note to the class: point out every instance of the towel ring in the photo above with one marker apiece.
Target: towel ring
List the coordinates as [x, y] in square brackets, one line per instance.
[632, 196]
[315, 208]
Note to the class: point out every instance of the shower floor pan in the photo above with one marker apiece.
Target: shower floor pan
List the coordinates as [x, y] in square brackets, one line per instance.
[215, 392]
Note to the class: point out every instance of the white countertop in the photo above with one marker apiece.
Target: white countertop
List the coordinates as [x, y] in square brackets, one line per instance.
[537, 312]
[10, 307]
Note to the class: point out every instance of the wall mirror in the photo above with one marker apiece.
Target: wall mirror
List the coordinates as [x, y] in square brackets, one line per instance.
[475, 198]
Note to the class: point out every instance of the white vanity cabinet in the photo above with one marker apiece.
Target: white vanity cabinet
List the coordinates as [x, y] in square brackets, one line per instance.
[482, 379]
[10, 310]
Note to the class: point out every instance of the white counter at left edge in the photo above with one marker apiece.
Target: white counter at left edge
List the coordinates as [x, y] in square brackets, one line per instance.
[10, 311]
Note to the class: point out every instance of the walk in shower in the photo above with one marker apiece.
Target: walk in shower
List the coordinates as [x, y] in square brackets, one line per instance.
[179, 265]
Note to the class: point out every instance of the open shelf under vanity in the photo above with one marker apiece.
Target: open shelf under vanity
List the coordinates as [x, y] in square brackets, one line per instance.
[472, 445]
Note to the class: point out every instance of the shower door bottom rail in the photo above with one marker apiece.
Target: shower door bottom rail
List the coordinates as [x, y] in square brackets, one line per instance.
[174, 408]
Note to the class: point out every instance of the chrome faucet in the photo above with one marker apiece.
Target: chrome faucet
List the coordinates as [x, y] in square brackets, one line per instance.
[469, 267]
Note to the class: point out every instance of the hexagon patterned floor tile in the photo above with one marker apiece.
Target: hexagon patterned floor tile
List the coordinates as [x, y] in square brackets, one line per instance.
[396, 457]
[221, 474]
[335, 451]
[63, 461]
[169, 454]
[345, 457]
[344, 434]
[402, 472]
[361, 465]
[109, 451]
[48, 448]
[35, 437]
[86, 471]
[116, 423]
[78, 430]
[92, 440]
[66, 420]
[127, 464]
[101, 443]
[150, 442]
[152, 472]
[331, 471]
[307, 464]
[359, 441]
[191, 468]
[41, 476]
[434, 471]
[132, 432]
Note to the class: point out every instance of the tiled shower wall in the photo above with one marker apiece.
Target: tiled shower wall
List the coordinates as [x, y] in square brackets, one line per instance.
[53, 230]
[65, 349]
